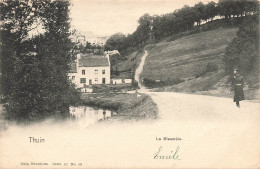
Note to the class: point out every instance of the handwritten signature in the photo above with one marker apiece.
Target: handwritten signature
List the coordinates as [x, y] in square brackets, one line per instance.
[174, 155]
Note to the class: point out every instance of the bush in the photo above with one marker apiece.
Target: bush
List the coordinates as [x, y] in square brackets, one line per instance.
[135, 84]
[113, 88]
[242, 52]
[210, 67]
[168, 82]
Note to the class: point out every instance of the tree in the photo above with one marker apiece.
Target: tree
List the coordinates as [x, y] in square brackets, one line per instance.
[251, 6]
[16, 58]
[115, 42]
[242, 52]
[186, 16]
[143, 29]
[88, 45]
[199, 12]
[211, 10]
[225, 8]
[34, 81]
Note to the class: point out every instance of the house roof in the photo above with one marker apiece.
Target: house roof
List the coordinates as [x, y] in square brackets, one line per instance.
[73, 68]
[93, 61]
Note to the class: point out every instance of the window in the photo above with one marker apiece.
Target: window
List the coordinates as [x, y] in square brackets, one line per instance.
[83, 72]
[82, 80]
[103, 80]
[103, 71]
[96, 71]
[90, 81]
[73, 77]
[96, 80]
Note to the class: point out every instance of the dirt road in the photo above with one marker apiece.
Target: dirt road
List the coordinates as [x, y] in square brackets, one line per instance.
[139, 70]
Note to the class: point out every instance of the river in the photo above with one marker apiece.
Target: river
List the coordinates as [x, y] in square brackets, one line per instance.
[84, 116]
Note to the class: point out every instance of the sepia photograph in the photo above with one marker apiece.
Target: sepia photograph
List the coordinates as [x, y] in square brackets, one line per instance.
[129, 84]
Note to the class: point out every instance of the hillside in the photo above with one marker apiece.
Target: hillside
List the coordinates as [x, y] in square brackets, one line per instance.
[186, 57]
[190, 64]
[194, 59]
[125, 68]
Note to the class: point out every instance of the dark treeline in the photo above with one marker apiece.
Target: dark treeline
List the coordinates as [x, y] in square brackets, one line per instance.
[154, 28]
[243, 52]
[90, 48]
[34, 70]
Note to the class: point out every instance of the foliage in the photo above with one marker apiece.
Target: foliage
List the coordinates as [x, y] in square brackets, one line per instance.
[236, 7]
[114, 88]
[114, 60]
[211, 10]
[93, 48]
[210, 67]
[242, 52]
[115, 42]
[34, 70]
[155, 28]
[180, 23]
[89, 48]
[168, 82]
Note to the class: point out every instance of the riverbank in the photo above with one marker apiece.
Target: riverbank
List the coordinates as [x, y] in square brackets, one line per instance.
[2, 122]
[130, 106]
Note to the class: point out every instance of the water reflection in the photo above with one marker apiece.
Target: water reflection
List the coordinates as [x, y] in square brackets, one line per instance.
[85, 115]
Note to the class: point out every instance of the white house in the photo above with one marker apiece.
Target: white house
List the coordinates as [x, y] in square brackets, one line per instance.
[116, 81]
[128, 81]
[112, 52]
[90, 69]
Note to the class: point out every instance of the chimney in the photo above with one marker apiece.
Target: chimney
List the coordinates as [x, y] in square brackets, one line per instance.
[77, 60]
[78, 56]
[107, 56]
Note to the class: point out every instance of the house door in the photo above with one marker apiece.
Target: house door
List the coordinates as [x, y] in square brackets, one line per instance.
[90, 81]
[103, 80]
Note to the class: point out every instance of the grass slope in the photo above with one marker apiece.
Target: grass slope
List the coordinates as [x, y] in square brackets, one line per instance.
[189, 59]
[185, 57]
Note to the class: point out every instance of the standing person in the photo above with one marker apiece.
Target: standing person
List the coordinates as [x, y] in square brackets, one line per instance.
[104, 114]
[238, 88]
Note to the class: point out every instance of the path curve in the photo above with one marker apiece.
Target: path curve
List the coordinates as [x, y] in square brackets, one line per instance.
[176, 107]
[138, 72]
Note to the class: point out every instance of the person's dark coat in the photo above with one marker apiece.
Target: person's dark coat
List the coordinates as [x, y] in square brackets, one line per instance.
[238, 88]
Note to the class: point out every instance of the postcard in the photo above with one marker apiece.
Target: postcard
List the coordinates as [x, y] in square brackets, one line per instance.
[129, 84]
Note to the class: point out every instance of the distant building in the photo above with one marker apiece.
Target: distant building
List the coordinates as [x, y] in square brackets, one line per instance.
[112, 52]
[79, 39]
[128, 81]
[89, 70]
[116, 81]
[97, 40]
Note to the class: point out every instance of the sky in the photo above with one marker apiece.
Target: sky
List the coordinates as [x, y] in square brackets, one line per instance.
[107, 17]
